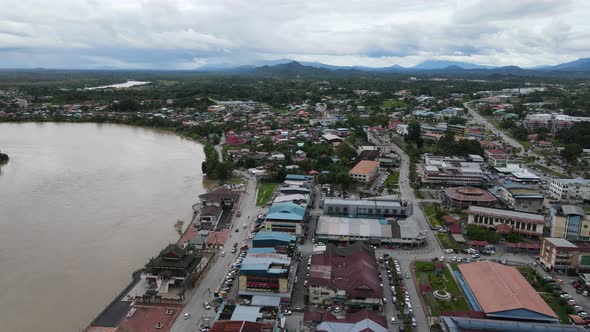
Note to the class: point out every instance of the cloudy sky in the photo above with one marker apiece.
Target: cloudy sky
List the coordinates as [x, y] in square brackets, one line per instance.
[186, 34]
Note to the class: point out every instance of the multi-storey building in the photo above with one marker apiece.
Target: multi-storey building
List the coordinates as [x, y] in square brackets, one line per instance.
[520, 222]
[451, 171]
[562, 255]
[364, 171]
[522, 198]
[285, 217]
[564, 189]
[570, 222]
[373, 207]
[554, 122]
[265, 272]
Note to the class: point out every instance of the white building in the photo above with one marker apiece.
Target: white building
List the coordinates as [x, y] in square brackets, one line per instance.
[577, 188]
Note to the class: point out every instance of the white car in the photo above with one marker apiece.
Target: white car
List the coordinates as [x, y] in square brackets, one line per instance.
[392, 320]
[187, 315]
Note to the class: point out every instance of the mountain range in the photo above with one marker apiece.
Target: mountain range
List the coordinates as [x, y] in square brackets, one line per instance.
[290, 67]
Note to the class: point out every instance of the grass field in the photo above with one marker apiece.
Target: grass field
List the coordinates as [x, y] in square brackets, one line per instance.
[446, 241]
[265, 192]
[430, 279]
[392, 103]
[430, 212]
[392, 181]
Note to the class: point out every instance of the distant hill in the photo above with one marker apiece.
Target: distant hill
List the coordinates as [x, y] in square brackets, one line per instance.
[289, 68]
[441, 64]
[582, 64]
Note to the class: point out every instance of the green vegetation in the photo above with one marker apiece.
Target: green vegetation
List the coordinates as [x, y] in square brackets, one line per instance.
[481, 233]
[3, 158]
[265, 191]
[547, 170]
[436, 276]
[559, 305]
[215, 169]
[447, 241]
[392, 182]
[392, 103]
[448, 146]
[433, 213]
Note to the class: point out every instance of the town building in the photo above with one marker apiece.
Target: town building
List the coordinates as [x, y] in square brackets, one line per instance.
[450, 172]
[240, 326]
[403, 232]
[562, 255]
[273, 240]
[171, 268]
[364, 171]
[501, 292]
[348, 275]
[522, 198]
[570, 189]
[285, 217]
[266, 272]
[373, 207]
[467, 324]
[520, 222]
[465, 197]
[570, 222]
[362, 320]
[552, 121]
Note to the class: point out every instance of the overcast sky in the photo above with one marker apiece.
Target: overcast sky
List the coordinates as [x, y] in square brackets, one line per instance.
[183, 34]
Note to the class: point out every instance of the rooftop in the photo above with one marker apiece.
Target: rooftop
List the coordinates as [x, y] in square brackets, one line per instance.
[364, 167]
[502, 291]
[286, 211]
[560, 242]
[469, 194]
[375, 228]
[464, 324]
[279, 236]
[265, 262]
[352, 269]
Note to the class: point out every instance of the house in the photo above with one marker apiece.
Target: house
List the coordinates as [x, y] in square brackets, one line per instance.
[364, 171]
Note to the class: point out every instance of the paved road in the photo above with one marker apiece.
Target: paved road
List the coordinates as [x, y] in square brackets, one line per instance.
[405, 257]
[211, 282]
[483, 121]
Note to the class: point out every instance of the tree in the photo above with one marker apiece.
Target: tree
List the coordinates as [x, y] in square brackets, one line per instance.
[345, 152]
[571, 153]
[414, 131]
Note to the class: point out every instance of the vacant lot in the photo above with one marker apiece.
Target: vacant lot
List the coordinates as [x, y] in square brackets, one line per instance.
[265, 192]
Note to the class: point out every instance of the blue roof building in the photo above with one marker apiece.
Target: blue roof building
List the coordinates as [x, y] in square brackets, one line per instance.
[265, 271]
[298, 177]
[285, 217]
[273, 239]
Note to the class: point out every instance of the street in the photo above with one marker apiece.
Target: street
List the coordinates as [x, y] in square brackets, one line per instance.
[211, 282]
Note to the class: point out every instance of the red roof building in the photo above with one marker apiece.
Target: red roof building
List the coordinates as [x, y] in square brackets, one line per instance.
[502, 292]
[240, 326]
[351, 270]
[465, 197]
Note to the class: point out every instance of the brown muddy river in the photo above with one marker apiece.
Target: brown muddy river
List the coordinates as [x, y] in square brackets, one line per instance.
[81, 207]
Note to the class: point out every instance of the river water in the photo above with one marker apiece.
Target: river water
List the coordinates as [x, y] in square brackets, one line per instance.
[81, 207]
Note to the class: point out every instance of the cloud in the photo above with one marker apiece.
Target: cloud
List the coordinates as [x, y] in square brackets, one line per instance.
[183, 33]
